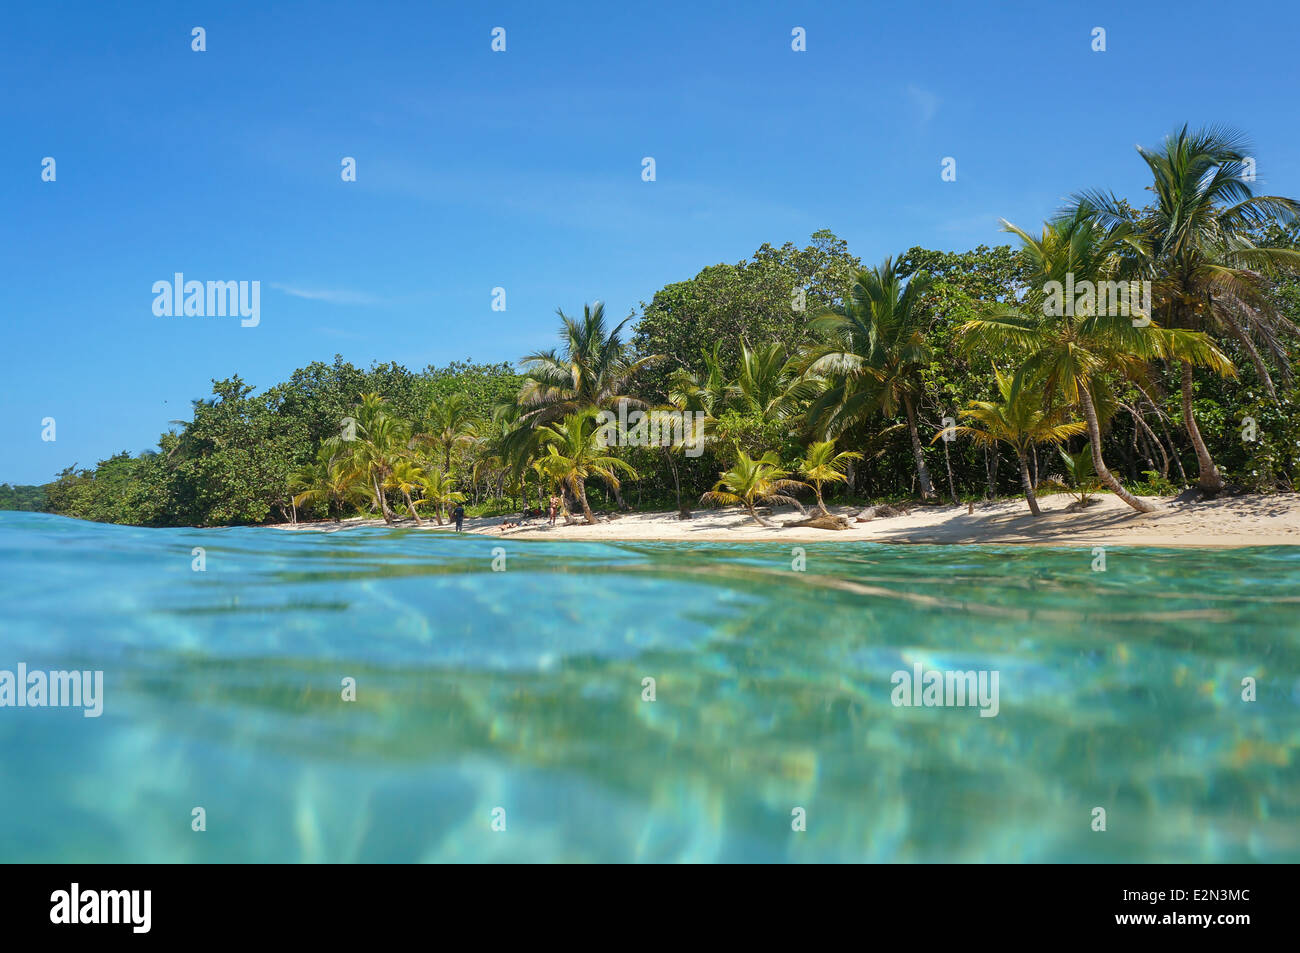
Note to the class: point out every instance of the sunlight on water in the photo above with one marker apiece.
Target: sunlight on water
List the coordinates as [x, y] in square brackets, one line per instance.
[522, 689]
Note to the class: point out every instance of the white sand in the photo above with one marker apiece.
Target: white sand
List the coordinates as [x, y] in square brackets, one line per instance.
[1237, 521]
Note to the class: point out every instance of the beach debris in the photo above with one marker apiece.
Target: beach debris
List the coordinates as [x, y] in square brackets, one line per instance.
[821, 522]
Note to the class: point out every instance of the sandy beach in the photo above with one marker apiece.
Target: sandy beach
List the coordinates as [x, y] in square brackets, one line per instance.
[1236, 521]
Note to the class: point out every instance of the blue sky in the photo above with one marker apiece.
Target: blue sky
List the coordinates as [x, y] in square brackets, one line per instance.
[522, 169]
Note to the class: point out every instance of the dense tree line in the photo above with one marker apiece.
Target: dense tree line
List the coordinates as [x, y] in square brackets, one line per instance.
[936, 375]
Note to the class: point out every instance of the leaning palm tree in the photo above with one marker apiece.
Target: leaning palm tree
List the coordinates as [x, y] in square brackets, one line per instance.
[1074, 353]
[407, 477]
[750, 482]
[574, 454]
[876, 353]
[437, 491]
[1019, 420]
[1209, 275]
[821, 464]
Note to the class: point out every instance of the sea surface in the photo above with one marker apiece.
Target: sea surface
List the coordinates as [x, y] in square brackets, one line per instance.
[502, 711]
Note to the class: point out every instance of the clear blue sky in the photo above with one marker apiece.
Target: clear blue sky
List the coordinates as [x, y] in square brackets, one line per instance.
[523, 169]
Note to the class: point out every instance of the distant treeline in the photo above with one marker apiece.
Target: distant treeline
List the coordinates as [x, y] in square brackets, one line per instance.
[30, 498]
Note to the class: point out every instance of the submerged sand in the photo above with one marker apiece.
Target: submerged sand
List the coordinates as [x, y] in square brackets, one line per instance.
[1231, 521]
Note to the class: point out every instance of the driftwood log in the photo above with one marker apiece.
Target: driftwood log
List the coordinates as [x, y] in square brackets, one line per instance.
[885, 511]
[821, 522]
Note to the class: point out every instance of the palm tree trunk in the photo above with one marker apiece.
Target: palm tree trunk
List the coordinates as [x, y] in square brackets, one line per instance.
[1151, 438]
[754, 513]
[682, 511]
[1027, 483]
[580, 488]
[379, 498]
[922, 473]
[618, 500]
[411, 506]
[947, 462]
[821, 507]
[1173, 447]
[1104, 474]
[1210, 481]
[1249, 346]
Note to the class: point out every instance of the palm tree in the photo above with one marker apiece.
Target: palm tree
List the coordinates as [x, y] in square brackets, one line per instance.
[437, 491]
[1018, 420]
[706, 391]
[1208, 271]
[451, 423]
[574, 454]
[324, 480]
[406, 477]
[1083, 477]
[821, 464]
[770, 385]
[750, 482]
[1072, 356]
[593, 369]
[381, 441]
[876, 354]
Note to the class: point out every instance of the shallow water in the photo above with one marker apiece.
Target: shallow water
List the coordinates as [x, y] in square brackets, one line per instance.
[522, 690]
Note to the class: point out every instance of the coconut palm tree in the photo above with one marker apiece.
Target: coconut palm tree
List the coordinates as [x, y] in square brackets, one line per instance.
[1074, 355]
[324, 480]
[1209, 275]
[1018, 420]
[706, 391]
[876, 353]
[750, 482]
[574, 454]
[437, 491]
[821, 464]
[407, 477]
[380, 442]
[593, 368]
[770, 385]
[1081, 473]
[450, 423]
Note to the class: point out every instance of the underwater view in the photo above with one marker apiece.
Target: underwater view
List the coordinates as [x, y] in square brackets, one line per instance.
[391, 695]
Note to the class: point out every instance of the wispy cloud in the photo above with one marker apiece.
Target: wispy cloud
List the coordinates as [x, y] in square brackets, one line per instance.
[924, 102]
[329, 295]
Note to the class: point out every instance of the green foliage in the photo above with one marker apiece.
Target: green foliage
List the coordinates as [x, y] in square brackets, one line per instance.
[782, 353]
[31, 499]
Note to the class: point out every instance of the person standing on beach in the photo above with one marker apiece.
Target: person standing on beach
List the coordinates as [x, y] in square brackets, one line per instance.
[555, 505]
[458, 514]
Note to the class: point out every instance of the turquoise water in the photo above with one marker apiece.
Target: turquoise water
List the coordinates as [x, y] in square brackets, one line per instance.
[522, 690]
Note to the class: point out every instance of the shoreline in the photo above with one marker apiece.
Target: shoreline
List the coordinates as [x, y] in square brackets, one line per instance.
[1228, 522]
